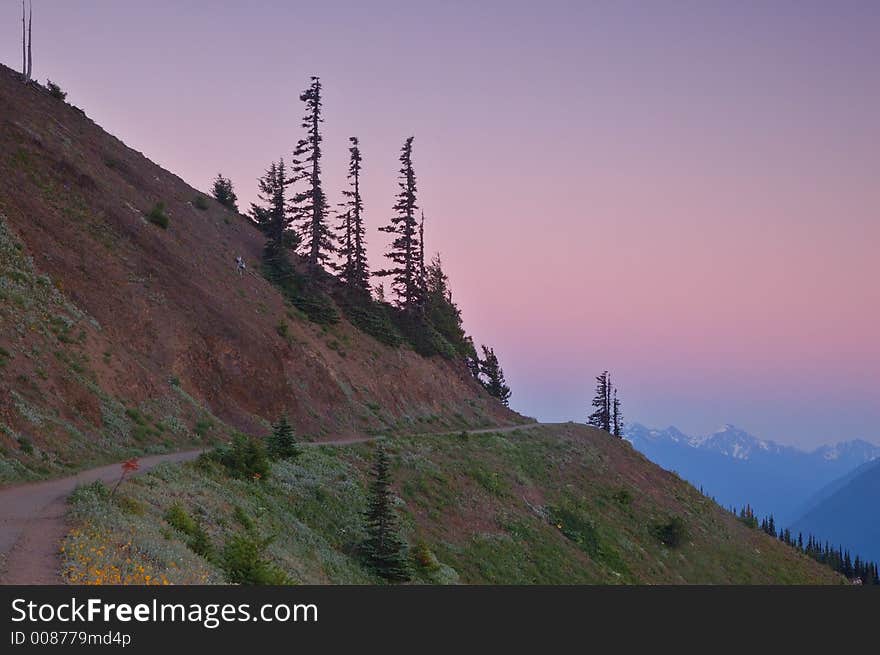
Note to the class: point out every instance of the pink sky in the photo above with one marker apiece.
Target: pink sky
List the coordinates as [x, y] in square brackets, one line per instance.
[685, 193]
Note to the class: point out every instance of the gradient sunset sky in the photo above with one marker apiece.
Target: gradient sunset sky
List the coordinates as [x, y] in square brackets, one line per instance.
[685, 193]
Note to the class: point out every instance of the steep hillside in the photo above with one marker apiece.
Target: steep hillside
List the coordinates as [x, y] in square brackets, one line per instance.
[554, 504]
[118, 336]
[847, 513]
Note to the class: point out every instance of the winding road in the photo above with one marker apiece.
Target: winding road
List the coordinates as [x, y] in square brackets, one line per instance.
[32, 515]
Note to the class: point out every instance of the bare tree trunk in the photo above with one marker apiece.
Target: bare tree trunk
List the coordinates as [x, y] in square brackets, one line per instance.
[30, 60]
[23, 43]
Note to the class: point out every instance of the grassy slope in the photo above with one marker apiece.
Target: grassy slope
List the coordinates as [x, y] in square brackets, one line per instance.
[558, 504]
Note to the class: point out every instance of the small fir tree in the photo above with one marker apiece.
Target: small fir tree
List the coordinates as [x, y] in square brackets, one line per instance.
[273, 218]
[384, 549]
[224, 193]
[282, 442]
[494, 376]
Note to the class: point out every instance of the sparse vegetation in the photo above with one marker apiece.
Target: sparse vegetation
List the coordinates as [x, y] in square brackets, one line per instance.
[200, 202]
[55, 91]
[158, 216]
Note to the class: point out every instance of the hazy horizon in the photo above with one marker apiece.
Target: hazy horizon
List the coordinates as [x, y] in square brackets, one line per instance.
[683, 193]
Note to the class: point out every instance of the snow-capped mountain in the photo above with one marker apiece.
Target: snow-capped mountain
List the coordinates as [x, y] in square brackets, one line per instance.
[739, 468]
[731, 441]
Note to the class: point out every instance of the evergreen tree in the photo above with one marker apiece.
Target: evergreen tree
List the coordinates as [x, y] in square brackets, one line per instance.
[282, 443]
[311, 203]
[355, 269]
[224, 193]
[473, 361]
[616, 417]
[384, 549]
[273, 218]
[441, 310]
[494, 382]
[601, 416]
[405, 247]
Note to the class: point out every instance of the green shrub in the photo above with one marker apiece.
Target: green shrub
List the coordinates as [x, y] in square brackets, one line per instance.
[623, 497]
[157, 215]
[55, 90]
[424, 559]
[26, 445]
[201, 202]
[302, 293]
[130, 505]
[283, 330]
[372, 318]
[135, 415]
[94, 490]
[576, 527]
[422, 336]
[316, 304]
[4, 356]
[203, 426]
[244, 458]
[242, 518]
[671, 533]
[197, 538]
[244, 562]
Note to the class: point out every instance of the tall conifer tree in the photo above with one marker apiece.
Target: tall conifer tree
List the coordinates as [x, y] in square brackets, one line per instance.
[355, 269]
[601, 416]
[616, 416]
[404, 250]
[311, 203]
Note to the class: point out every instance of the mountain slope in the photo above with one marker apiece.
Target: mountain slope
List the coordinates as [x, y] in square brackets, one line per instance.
[119, 336]
[738, 468]
[553, 504]
[847, 513]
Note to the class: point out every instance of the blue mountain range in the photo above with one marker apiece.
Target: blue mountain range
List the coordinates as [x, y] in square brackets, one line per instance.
[737, 468]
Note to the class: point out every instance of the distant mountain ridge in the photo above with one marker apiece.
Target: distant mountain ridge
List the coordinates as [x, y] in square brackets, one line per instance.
[738, 468]
[847, 512]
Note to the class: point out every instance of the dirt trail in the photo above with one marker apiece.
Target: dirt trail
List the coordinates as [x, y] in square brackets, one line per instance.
[32, 515]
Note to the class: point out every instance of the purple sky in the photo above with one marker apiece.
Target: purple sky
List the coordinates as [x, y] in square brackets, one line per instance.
[685, 193]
